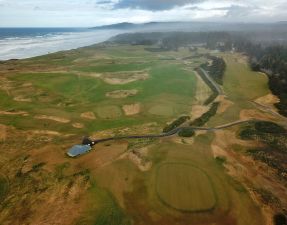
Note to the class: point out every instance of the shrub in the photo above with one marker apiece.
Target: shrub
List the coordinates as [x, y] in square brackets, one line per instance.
[186, 132]
[280, 219]
[206, 116]
[269, 127]
[175, 123]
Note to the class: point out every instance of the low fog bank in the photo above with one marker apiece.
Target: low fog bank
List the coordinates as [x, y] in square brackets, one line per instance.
[258, 32]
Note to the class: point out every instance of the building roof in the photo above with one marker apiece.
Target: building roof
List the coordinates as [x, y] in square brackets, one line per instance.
[78, 150]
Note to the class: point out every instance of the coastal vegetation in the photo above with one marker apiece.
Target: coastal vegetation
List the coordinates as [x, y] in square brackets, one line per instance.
[116, 89]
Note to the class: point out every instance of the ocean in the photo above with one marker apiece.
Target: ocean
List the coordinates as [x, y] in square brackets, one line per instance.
[20, 43]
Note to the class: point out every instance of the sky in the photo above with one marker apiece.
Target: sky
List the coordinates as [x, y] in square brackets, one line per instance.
[90, 13]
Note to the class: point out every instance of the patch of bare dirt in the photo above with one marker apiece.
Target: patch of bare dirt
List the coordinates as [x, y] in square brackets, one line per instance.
[23, 113]
[197, 111]
[27, 84]
[122, 93]
[224, 103]
[183, 140]
[45, 132]
[54, 118]
[22, 99]
[78, 125]
[139, 158]
[132, 109]
[88, 115]
[269, 100]
[246, 114]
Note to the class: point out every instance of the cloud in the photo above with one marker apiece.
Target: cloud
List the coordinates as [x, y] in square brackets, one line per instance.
[153, 5]
[236, 11]
[85, 13]
[104, 2]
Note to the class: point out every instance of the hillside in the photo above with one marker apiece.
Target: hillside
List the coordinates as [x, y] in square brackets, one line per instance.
[216, 175]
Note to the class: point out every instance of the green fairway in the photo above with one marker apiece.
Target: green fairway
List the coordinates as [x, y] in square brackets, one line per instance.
[69, 94]
[240, 77]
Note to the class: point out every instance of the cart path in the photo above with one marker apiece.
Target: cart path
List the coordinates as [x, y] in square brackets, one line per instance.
[174, 131]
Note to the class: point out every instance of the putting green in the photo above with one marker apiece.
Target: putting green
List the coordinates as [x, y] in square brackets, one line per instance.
[184, 187]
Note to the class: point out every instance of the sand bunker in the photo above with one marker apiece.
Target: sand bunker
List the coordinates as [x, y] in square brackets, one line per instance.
[269, 100]
[124, 77]
[132, 109]
[78, 125]
[23, 113]
[122, 93]
[88, 115]
[224, 103]
[22, 99]
[197, 111]
[46, 132]
[54, 118]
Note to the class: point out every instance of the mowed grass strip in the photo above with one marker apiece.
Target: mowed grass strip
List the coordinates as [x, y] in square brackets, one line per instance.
[185, 188]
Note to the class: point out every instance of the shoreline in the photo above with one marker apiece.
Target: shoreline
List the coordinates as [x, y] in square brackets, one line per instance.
[17, 48]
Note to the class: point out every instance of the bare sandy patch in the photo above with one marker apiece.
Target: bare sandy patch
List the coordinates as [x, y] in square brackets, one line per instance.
[23, 113]
[197, 111]
[95, 75]
[224, 104]
[183, 140]
[78, 125]
[132, 109]
[124, 77]
[269, 100]
[46, 132]
[122, 93]
[3, 132]
[22, 99]
[138, 157]
[255, 114]
[88, 115]
[54, 118]
[27, 84]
